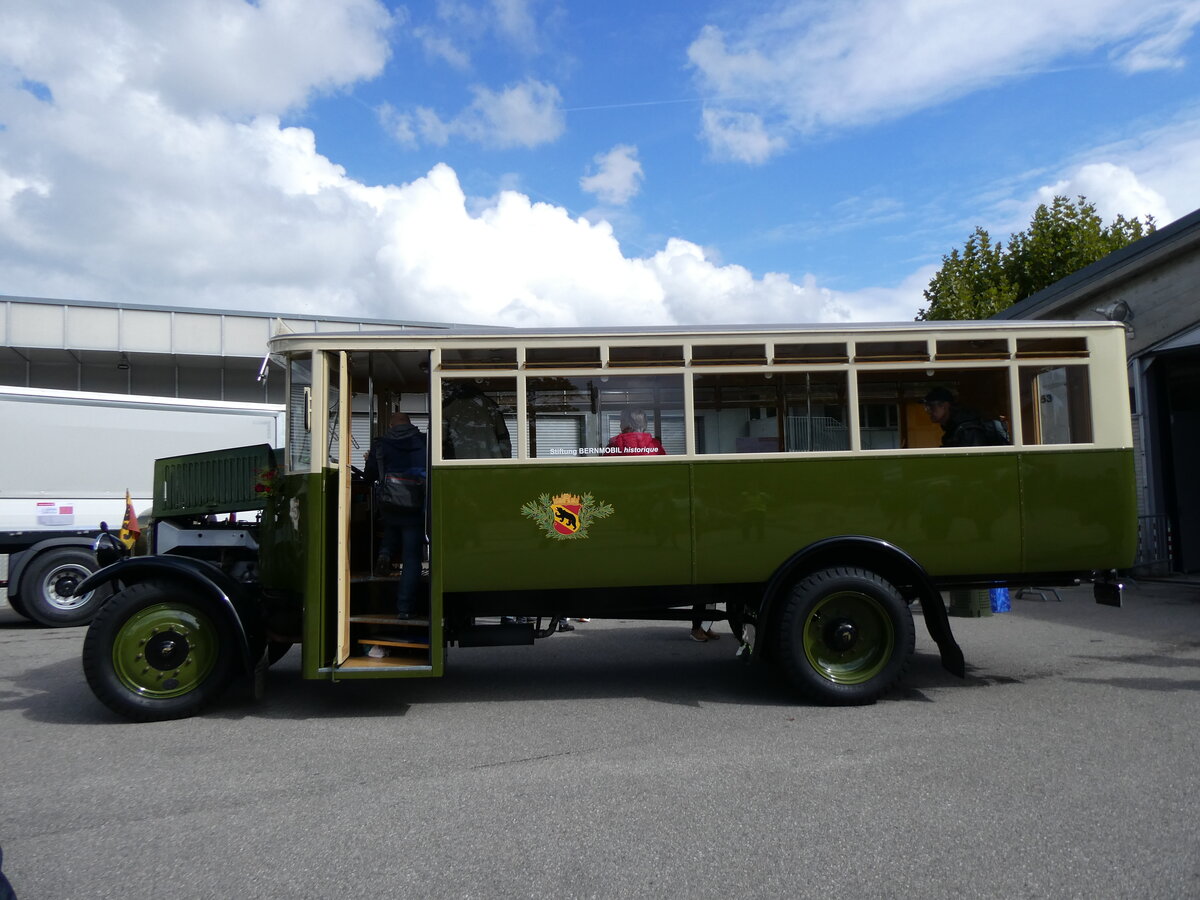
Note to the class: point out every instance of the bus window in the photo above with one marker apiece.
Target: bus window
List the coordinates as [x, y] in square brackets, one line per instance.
[299, 413]
[479, 418]
[1055, 407]
[579, 415]
[891, 411]
[759, 412]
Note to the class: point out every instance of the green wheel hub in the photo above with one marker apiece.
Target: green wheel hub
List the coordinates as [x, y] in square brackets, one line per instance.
[165, 650]
[848, 637]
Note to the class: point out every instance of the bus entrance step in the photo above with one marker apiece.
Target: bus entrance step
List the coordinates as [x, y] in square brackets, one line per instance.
[383, 619]
[395, 640]
[495, 635]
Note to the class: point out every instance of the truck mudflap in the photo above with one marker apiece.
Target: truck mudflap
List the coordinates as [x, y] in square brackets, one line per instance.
[937, 623]
[230, 596]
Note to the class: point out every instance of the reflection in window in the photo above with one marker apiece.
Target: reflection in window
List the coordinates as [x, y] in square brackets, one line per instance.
[766, 413]
[581, 415]
[892, 413]
[1055, 405]
[299, 414]
[332, 442]
[478, 418]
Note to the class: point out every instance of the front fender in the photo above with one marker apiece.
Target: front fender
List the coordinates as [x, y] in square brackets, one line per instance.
[20, 560]
[885, 559]
[236, 601]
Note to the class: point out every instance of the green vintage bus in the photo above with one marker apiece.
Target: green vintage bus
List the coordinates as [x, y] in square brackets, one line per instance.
[790, 479]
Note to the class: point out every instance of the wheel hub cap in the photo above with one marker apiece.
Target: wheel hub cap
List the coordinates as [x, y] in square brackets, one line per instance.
[165, 650]
[841, 634]
[848, 637]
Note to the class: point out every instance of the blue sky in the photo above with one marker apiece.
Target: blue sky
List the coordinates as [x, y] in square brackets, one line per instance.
[550, 163]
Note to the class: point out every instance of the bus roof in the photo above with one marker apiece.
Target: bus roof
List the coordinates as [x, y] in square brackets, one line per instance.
[505, 335]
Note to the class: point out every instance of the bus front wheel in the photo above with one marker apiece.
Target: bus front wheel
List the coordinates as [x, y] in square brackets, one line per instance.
[844, 636]
[158, 651]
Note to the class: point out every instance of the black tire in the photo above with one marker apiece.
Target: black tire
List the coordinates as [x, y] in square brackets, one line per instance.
[15, 604]
[47, 588]
[159, 651]
[844, 636]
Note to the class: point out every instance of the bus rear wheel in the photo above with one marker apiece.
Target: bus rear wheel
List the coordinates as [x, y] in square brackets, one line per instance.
[845, 636]
[158, 651]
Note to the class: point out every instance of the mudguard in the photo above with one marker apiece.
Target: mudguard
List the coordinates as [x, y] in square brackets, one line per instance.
[235, 600]
[19, 560]
[887, 560]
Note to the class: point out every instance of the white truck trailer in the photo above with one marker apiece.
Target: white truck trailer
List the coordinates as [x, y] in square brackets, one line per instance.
[66, 460]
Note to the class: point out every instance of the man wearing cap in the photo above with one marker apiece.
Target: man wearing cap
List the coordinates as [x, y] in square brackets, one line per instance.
[961, 427]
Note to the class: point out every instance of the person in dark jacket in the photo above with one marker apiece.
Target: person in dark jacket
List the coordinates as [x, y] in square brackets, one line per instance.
[401, 451]
[961, 427]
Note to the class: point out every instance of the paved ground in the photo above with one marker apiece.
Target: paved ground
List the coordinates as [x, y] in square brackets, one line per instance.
[626, 760]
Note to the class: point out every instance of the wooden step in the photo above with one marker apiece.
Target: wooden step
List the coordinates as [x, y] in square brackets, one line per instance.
[387, 662]
[383, 619]
[393, 641]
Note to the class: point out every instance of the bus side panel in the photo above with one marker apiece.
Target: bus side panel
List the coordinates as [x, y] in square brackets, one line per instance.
[1080, 510]
[298, 528]
[485, 542]
[954, 513]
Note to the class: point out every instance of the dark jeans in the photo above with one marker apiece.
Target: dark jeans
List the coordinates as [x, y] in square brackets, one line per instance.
[405, 532]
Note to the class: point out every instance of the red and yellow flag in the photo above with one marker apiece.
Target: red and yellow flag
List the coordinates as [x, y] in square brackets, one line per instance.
[129, 527]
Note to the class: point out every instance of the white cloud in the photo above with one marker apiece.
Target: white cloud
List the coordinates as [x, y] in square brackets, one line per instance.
[442, 47]
[132, 189]
[810, 66]
[515, 20]
[618, 178]
[197, 56]
[740, 136]
[120, 182]
[1115, 190]
[522, 115]
[454, 29]
[1156, 172]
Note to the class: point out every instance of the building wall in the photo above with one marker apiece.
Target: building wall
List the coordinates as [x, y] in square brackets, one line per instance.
[1153, 286]
[200, 354]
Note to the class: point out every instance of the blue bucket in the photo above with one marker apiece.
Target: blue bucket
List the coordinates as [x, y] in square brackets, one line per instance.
[1000, 601]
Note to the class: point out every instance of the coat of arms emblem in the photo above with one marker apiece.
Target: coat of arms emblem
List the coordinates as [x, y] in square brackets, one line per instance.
[565, 517]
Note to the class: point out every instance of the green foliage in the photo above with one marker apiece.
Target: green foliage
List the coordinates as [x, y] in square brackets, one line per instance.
[985, 278]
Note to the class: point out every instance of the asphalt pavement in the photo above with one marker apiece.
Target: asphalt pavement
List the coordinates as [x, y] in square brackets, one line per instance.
[625, 760]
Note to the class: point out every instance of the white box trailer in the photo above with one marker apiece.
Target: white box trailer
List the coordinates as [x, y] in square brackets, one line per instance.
[66, 460]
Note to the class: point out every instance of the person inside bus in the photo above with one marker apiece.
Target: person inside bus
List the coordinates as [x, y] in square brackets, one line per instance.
[473, 425]
[634, 439]
[401, 451]
[961, 427]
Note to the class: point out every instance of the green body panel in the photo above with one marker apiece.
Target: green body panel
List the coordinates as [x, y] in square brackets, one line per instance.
[217, 481]
[956, 514]
[298, 536]
[716, 522]
[953, 514]
[482, 542]
[1080, 510]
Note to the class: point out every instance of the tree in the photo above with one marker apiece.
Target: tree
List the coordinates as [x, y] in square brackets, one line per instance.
[1062, 238]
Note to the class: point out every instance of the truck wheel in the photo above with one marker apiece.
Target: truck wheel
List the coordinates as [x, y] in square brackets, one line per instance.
[48, 588]
[845, 635]
[158, 651]
[15, 604]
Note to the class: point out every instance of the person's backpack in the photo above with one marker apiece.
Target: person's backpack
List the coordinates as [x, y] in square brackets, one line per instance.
[995, 434]
[396, 491]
